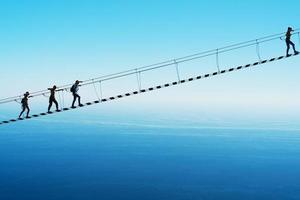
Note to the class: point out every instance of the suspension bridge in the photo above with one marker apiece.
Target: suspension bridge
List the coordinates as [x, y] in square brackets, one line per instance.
[138, 72]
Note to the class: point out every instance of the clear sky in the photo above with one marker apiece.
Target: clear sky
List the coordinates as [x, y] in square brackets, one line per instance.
[56, 42]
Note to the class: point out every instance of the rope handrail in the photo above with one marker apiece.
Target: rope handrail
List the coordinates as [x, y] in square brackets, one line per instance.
[160, 65]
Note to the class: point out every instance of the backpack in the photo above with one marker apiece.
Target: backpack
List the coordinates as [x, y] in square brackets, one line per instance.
[23, 101]
[73, 88]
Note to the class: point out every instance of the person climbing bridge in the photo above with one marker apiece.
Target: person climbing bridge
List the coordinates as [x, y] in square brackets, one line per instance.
[25, 105]
[289, 42]
[52, 98]
[74, 89]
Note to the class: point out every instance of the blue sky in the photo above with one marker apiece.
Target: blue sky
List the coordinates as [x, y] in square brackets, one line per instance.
[55, 42]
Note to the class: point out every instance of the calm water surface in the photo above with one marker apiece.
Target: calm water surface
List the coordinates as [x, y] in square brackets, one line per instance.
[127, 162]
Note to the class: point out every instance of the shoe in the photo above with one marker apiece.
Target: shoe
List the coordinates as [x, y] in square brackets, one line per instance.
[296, 52]
[80, 105]
[73, 107]
[288, 55]
[58, 110]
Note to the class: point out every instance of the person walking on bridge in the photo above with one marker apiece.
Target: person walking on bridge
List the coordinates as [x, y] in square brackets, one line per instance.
[289, 42]
[74, 89]
[25, 105]
[52, 98]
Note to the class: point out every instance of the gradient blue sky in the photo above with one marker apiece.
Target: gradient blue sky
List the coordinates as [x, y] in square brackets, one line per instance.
[58, 41]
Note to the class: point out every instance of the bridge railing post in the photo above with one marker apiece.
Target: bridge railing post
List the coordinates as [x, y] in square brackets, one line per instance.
[177, 70]
[62, 99]
[258, 50]
[217, 60]
[95, 88]
[101, 92]
[138, 78]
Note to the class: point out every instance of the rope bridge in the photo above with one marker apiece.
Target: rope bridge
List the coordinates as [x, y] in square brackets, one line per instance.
[139, 71]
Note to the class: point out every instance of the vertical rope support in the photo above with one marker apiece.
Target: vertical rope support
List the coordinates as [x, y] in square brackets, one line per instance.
[138, 78]
[44, 95]
[100, 88]
[63, 99]
[65, 91]
[20, 107]
[95, 89]
[177, 71]
[60, 100]
[258, 51]
[217, 60]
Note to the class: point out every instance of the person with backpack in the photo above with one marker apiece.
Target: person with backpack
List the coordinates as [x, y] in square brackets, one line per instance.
[74, 89]
[52, 98]
[289, 42]
[25, 105]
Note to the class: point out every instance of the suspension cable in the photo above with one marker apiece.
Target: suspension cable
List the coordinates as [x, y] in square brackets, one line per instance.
[163, 64]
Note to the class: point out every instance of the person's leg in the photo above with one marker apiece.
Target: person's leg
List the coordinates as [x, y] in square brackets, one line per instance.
[294, 48]
[56, 104]
[79, 98]
[74, 99]
[293, 45]
[50, 105]
[288, 47]
[23, 109]
[28, 110]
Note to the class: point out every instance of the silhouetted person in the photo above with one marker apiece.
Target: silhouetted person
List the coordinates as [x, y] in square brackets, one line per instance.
[74, 90]
[25, 106]
[289, 42]
[52, 98]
